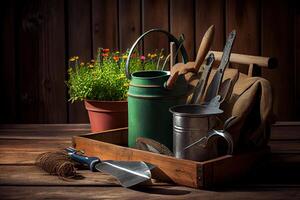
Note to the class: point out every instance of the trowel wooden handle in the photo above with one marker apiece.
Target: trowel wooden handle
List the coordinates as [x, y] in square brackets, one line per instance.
[204, 47]
[172, 79]
[174, 70]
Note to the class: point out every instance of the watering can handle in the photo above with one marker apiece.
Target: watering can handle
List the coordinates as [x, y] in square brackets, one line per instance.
[171, 37]
[214, 133]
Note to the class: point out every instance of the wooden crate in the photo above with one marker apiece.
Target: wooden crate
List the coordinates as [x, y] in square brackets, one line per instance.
[111, 145]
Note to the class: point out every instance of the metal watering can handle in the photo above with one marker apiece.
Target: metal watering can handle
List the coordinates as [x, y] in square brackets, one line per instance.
[171, 37]
[214, 133]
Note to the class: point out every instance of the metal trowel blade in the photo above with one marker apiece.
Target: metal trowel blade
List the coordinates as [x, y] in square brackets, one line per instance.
[127, 173]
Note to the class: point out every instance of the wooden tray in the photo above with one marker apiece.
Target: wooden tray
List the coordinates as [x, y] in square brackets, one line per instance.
[111, 145]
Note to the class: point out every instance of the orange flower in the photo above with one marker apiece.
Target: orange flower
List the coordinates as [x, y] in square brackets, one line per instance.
[116, 58]
[105, 50]
[105, 54]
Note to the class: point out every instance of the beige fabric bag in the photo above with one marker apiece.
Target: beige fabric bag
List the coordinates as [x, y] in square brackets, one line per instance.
[251, 103]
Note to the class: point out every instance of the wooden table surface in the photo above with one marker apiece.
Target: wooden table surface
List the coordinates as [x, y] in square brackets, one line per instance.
[278, 178]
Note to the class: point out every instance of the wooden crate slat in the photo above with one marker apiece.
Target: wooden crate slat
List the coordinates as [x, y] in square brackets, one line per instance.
[179, 171]
[183, 172]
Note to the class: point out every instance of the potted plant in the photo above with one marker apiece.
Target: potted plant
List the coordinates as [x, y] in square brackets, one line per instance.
[103, 86]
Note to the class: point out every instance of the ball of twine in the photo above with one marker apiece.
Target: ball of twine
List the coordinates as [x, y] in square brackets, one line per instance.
[57, 163]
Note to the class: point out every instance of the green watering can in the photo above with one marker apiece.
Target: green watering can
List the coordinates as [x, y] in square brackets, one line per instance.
[149, 99]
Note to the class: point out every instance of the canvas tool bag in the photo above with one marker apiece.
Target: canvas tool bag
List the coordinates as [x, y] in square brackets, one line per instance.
[251, 104]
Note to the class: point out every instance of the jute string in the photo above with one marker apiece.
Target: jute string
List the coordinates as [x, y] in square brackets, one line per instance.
[57, 163]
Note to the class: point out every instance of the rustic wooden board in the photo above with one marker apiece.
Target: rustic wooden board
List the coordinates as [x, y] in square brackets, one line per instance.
[223, 171]
[35, 47]
[158, 192]
[43, 127]
[183, 172]
[244, 17]
[285, 146]
[42, 132]
[297, 59]
[285, 131]
[210, 13]
[155, 15]
[79, 44]
[51, 71]
[41, 62]
[36, 44]
[183, 23]
[278, 180]
[19, 175]
[277, 17]
[104, 25]
[27, 64]
[26, 151]
[129, 23]
[31, 144]
[8, 59]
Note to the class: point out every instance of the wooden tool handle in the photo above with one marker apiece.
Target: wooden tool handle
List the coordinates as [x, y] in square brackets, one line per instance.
[269, 62]
[172, 79]
[204, 47]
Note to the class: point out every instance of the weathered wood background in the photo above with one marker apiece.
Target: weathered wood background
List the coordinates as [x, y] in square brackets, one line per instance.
[38, 37]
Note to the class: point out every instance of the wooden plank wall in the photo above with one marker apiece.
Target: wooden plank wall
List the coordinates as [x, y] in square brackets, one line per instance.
[38, 37]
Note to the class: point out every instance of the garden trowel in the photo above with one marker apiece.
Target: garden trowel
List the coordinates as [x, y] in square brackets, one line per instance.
[214, 87]
[128, 173]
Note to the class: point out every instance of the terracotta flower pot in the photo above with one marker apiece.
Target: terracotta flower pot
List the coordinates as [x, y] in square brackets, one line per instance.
[105, 115]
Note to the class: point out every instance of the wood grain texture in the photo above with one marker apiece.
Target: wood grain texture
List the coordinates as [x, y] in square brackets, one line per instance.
[183, 23]
[85, 192]
[297, 60]
[8, 63]
[79, 44]
[210, 13]
[276, 180]
[104, 24]
[106, 145]
[158, 192]
[221, 171]
[285, 131]
[42, 131]
[169, 168]
[246, 59]
[244, 17]
[41, 62]
[155, 15]
[278, 42]
[20, 151]
[129, 23]
[52, 88]
[14, 175]
[38, 37]
[28, 61]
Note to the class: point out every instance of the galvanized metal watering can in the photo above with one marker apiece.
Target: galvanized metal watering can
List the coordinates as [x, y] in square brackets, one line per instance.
[193, 136]
[149, 99]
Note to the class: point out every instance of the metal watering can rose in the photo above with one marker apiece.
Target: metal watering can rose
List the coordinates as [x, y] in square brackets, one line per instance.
[149, 99]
